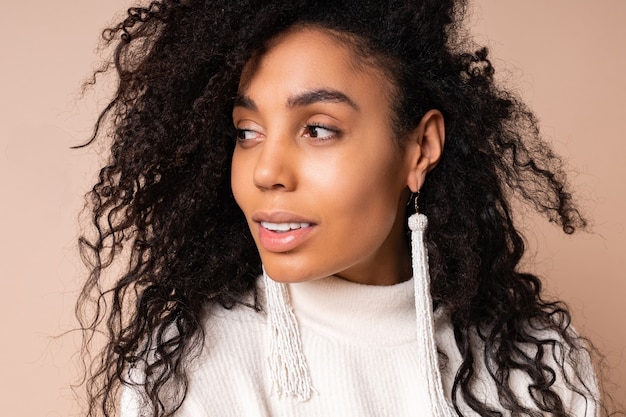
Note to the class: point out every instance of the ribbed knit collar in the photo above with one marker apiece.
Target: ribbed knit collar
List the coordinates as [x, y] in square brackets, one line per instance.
[362, 314]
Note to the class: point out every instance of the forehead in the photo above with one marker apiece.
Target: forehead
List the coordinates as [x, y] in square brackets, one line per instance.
[312, 57]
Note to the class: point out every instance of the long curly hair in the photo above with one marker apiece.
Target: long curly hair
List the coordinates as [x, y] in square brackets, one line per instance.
[165, 218]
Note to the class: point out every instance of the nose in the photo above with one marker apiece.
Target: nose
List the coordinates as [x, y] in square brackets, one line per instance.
[275, 166]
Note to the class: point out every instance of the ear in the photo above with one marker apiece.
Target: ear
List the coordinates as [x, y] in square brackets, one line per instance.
[424, 148]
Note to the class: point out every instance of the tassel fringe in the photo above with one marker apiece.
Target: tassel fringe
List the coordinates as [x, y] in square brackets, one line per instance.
[427, 348]
[288, 368]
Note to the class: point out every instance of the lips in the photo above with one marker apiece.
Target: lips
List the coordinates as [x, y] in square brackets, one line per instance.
[282, 231]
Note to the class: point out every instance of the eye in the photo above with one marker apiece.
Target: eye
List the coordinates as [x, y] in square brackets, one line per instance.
[247, 134]
[321, 132]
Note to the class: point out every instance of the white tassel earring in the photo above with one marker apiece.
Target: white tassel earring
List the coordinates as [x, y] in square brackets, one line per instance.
[289, 371]
[427, 348]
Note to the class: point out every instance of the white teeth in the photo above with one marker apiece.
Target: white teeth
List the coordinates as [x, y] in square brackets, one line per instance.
[283, 227]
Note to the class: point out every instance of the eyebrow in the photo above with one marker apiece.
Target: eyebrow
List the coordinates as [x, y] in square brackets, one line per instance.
[322, 95]
[245, 102]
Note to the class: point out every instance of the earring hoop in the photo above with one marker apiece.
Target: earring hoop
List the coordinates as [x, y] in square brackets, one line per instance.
[414, 197]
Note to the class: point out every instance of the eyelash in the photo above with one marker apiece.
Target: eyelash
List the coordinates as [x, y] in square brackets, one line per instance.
[240, 133]
[308, 129]
[335, 133]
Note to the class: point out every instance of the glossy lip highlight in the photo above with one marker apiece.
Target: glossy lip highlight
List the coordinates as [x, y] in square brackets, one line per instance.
[276, 231]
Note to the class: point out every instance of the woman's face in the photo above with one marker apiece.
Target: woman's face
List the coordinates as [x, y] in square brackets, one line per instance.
[316, 170]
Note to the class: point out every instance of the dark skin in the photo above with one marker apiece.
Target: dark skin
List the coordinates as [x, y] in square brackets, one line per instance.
[281, 165]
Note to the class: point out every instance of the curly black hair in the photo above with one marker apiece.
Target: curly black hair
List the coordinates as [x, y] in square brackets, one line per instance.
[163, 203]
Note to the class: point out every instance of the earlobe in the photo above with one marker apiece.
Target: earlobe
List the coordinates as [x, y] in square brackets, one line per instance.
[425, 148]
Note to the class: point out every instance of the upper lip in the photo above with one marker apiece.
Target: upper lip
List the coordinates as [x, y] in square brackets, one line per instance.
[279, 217]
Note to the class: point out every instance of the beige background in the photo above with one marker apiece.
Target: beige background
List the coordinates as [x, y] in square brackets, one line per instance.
[566, 57]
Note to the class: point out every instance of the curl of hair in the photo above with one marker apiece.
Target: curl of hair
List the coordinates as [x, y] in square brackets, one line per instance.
[163, 201]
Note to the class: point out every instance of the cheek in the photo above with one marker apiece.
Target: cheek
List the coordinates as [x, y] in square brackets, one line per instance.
[371, 203]
[239, 177]
[363, 196]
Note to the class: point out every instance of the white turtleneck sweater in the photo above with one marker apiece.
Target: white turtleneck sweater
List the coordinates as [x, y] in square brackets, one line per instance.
[360, 344]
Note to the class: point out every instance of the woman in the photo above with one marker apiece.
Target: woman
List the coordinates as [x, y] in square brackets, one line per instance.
[266, 158]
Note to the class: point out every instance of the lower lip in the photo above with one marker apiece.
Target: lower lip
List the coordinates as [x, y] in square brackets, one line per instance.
[283, 241]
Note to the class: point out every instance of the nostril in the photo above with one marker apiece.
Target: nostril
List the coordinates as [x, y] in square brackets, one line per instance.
[274, 170]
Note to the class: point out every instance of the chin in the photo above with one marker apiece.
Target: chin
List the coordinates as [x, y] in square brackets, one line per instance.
[288, 274]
